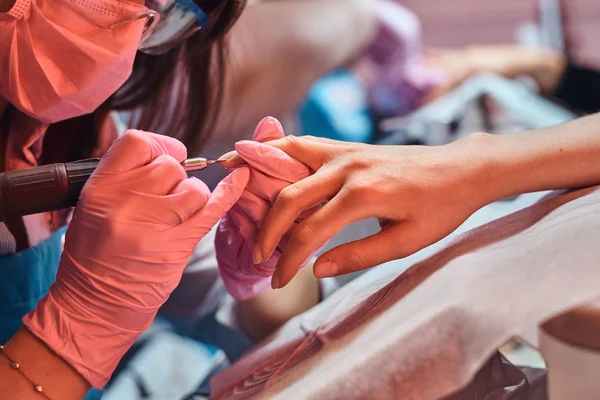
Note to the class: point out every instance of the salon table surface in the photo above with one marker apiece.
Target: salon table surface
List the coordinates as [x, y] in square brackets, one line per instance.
[425, 325]
[579, 327]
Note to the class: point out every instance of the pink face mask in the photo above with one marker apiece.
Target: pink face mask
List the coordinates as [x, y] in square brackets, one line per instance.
[62, 59]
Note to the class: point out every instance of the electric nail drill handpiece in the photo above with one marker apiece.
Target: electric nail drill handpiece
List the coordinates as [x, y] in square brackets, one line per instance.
[55, 186]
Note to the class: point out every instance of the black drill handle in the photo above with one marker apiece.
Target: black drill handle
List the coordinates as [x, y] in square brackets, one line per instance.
[43, 189]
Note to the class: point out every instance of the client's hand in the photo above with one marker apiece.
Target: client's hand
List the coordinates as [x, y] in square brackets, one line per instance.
[419, 194]
[246, 275]
[135, 226]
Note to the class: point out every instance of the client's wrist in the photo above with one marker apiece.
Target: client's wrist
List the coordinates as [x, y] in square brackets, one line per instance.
[480, 169]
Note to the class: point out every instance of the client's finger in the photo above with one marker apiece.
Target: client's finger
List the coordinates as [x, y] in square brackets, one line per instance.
[310, 151]
[268, 128]
[312, 233]
[291, 202]
[395, 242]
[271, 161]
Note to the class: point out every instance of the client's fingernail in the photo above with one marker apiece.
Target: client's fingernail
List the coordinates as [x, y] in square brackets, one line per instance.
[257, 257]
[228, 160]
[227, 156]
[326, 269]
[275, 282]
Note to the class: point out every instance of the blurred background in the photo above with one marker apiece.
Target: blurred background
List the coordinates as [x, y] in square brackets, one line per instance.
[465, 22]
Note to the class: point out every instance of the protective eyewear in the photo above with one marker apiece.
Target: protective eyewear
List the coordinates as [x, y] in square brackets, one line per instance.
[168, 23]
[172, 22]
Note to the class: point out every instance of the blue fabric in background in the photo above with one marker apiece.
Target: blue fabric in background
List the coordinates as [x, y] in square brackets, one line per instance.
[93, 394]
[26, 278]
[337, 108]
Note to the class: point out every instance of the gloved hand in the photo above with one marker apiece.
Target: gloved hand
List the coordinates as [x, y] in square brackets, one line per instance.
[271, 171]
[135, 226]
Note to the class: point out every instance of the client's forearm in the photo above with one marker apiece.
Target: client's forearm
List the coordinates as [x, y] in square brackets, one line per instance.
[263, 314]
[58, 380]
[563, 156]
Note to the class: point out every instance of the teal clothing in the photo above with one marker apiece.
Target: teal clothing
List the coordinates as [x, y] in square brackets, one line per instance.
[26, 278]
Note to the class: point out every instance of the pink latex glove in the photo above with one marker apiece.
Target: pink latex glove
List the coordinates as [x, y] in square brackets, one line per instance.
[135, 226]
[271, 171]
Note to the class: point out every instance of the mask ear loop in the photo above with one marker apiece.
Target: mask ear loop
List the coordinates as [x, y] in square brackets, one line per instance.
[151, 16]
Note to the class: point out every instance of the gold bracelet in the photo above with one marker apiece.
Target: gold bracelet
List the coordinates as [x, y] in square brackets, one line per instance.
[16, 366]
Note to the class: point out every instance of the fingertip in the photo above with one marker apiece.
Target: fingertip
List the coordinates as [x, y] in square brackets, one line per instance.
[200, 187]
[326, 268]
[227, 156]
[192, 182]
[275, 282]
[257, 256]
[191, 195]
[231, 188]
[175, 148]
[262, 251]
[283, 275]
[231, 160]
[240, 176]
[243, 147]
[284, 281]
[170, 167]
[233, 163]
[253, 153]
[269, 128]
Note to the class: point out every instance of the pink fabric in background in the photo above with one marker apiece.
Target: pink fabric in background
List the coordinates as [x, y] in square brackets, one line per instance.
[426, 333]
[399, 46]
[394, 69]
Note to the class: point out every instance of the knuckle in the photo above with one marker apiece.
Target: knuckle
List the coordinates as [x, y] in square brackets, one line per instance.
[356, 164]
[113, 227]
[321, 140]
[304, 234]
[288, 196]
[169, 166]
[135, 138]
[355, 261]
[291, 143]
[198, 187]
[359, 189]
